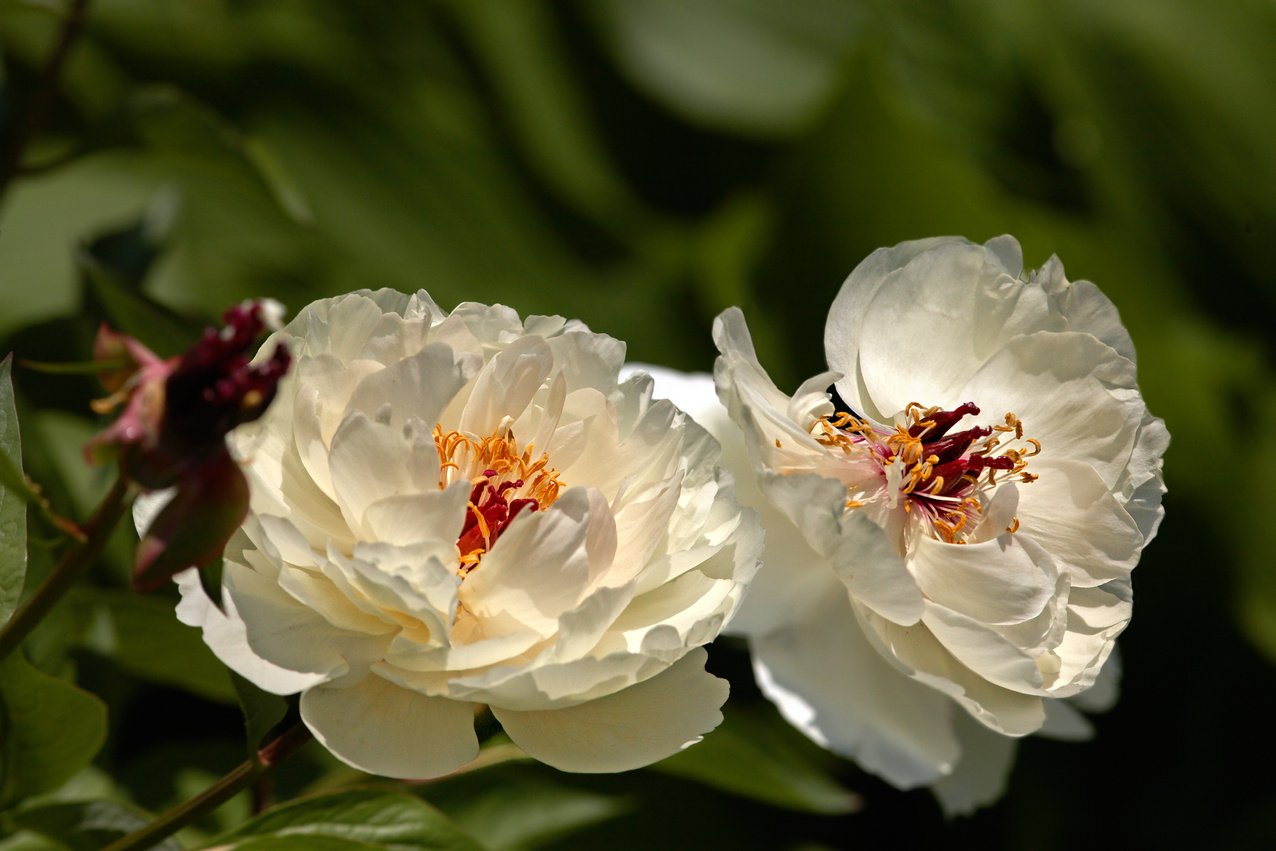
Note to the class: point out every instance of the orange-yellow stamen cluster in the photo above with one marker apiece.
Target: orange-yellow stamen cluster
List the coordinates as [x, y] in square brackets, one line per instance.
[504, 482]
[944, 475]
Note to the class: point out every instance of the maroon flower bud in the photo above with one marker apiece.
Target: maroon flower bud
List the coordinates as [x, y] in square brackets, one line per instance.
[178, 411]
[172, 433]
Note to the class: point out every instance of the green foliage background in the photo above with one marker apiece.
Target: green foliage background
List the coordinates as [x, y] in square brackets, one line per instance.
[642, 164]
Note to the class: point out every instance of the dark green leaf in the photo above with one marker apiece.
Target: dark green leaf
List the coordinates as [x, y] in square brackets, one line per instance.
[49, 730]
[750, 66]
[757, 755]
[262, 711]
[134, 313]
[521, 806]
[85, 825]
[13, 505]
[304, 843]
[129, 253]
[518, 46]
[144, 637]
[392, 820]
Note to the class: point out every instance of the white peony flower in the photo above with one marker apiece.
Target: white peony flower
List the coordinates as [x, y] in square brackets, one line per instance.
[967, 515]
[466, 509]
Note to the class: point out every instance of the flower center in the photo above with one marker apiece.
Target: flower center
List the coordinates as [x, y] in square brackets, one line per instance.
[505, 482]
[941, 477]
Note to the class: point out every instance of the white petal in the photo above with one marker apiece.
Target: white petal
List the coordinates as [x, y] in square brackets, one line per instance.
[317, 593]
[1000, 581]
[350, 322]
[1103, 695]
[861, 554]
[756, 405]
[324, 387]
[380, 728]
[842, 333]
[792, 579]
[1071, 392]
[434, 515]
[370, 461]
[831, 684]
[540, 566]
[1070, 512]
[225, 635]
[629, 729]
[415, 388]
[506, 385]
[148, 505]
[932, 324]
[1143, 486]
[692, 392]
[793, 576]
[918, 652]
[1065, 723]
[1085, 308]
[984, 650]
[980, 778]
[285, 632]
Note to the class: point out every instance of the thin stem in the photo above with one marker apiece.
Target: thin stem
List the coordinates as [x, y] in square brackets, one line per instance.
[46, 90]
[72, 565]
[235, 781]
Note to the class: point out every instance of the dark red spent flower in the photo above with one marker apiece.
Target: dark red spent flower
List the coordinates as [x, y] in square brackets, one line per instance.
[172, 433]
[215, 388]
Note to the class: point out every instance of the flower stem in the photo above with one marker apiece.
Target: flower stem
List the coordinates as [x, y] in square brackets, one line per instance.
[72, 565]
[47, 87]
[235, 781]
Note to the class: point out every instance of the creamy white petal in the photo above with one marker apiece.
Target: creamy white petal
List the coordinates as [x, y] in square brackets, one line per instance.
[793, 578]
[507, 384]
[225, 635]
[406, 519]
[858, 550]
[982, 772]
[1061, 386]
[1085, 307]
[842, 332]
[983, 649]
[1143, 485]
[286, 633]
[829, 682]
[1065, 723]
[1070, 512]
[370, 461]
[628, 729]
[415, 388]
[539, 568]
[1000, 581]
[916, 650]
[378, 727]
[936, 321]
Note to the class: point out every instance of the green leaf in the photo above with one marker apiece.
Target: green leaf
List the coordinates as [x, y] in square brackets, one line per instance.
[262, 711]
[749, 66]
[134, 313]
[392, 820]
[521, 806]
[756, 755]
[85, 825]
[49, 730]
[519, 49]
[13, 506]
[304, 843]
[144, 637]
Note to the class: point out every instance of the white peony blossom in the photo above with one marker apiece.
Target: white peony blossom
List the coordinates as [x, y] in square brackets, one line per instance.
[466, 509]
[959, 528]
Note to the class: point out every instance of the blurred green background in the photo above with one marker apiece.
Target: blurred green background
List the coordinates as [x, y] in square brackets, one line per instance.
[642, 164]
